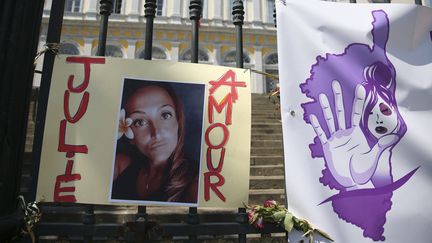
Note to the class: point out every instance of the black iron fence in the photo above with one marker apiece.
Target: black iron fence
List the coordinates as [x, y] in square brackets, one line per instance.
[90, 223]
[95, 222]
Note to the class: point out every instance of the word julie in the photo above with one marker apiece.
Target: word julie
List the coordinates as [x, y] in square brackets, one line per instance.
[66, 193]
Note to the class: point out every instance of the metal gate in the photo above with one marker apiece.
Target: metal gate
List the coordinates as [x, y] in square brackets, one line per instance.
[90, 223]
[87, 222]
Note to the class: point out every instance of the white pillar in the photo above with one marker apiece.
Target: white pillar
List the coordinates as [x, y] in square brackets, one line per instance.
[47, 5]
[227, 9]
[175, 51]
[217, 12]
[90, 9]
[132, 10]
[47, 8]
[257, 17]
[185, 8]
[217, 54]
[176, 15]
[88, 46]
[258, 86]
[131, 49]
[205, 4]
[165, 8]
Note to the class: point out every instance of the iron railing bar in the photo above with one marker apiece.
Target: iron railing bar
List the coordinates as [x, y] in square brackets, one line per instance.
[168, 229]
[238, 17]
[53, 36]
[105, 11]
[195, 11]
[150, 12]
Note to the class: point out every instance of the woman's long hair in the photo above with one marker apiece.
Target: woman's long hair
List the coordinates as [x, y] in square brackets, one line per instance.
[380, 82]
[178, 172]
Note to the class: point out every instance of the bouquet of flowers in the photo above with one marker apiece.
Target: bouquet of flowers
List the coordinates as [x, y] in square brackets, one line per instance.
[272, 212]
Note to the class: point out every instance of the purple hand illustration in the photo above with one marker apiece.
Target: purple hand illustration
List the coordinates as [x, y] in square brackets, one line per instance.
[346, 151]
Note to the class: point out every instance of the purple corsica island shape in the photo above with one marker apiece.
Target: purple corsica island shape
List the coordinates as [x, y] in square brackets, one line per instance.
[355, 116]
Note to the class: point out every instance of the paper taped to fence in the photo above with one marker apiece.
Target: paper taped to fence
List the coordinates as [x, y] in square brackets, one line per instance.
[146, 132]
[356, 96]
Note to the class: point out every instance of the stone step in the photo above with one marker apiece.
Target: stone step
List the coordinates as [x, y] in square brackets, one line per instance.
[258, 196]
[264, 107]
[28, 147]
[262, 112]
[267, 182]
[266, 116]
[266, 126]
[267, 160]
[266, 143]
[266, 151]
[267, 170]
[267, 131]
[261, 100]
[265, 120]
[30, 124]
[264, 136]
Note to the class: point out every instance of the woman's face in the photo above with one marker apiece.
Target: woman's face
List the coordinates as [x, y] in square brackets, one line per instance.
[382, 119]
[154, 122]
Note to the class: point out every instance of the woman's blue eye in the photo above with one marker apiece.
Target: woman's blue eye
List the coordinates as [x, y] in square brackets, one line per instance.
[166, 115]
[139, 123]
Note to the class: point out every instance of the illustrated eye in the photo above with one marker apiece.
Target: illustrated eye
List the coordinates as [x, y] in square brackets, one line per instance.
[385, 110]
[371, 113]
[139, 123]
[166, 115]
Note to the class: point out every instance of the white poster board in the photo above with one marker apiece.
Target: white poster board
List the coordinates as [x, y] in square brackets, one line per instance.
[356, 100]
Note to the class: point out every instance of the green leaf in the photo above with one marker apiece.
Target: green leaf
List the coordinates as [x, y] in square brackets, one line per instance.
[288, 221]
[278, 216]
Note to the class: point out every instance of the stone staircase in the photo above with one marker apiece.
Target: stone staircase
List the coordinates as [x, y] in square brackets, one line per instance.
[267, 171]
[266, 177]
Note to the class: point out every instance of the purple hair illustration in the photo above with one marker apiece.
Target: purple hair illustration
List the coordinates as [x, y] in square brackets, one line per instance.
[355, 116]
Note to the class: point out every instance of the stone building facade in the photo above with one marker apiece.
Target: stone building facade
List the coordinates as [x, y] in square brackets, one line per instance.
[172, 33]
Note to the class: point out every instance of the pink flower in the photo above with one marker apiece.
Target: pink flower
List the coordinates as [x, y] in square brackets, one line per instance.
[252, 216]
[269, 203]
[259, 223]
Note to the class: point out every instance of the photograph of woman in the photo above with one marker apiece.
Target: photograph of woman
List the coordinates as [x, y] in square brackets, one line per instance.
[152, 162]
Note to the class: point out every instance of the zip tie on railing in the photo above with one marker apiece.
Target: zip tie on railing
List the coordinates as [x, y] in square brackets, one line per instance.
[265, 74]
[53, 47]
[32, 215]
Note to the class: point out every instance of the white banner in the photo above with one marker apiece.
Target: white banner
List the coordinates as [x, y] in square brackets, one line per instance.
[356, 96]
